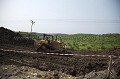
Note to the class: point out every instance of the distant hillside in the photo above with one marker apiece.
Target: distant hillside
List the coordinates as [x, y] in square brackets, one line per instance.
[91, 41]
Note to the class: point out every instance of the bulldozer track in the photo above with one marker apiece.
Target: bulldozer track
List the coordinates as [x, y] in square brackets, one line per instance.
[61, 54]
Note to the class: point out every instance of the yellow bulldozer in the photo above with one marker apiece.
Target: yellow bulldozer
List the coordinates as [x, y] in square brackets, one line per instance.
[50, 43]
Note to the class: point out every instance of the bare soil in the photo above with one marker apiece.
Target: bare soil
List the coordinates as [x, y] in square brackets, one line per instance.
[71, 65]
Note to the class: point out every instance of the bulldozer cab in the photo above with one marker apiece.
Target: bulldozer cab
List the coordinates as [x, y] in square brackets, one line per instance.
[48, 38]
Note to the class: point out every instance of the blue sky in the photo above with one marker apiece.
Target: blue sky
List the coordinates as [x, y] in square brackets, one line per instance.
[61, 16]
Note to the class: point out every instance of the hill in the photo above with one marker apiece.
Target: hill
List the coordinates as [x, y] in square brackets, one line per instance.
[91, 41]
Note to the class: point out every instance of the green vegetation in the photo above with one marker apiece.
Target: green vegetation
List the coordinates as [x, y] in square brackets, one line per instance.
[84, 41]
[91, 41]
[34, 36]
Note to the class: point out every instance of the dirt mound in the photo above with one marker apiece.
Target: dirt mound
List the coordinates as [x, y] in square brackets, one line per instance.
[7, 35]
[10, 37]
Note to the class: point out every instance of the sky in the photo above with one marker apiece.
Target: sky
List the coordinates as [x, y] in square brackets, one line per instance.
[61, 16]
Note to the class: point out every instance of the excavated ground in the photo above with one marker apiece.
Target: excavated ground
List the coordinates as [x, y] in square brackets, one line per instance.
[72, 65]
